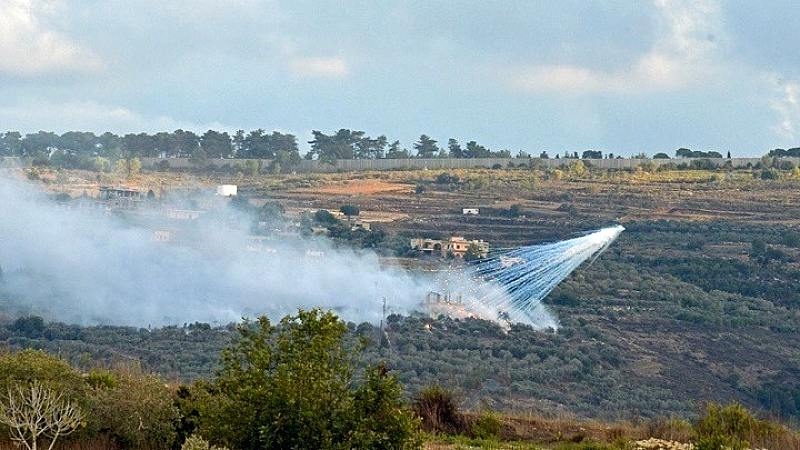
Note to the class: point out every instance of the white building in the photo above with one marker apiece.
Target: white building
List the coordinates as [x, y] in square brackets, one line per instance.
[226, 190]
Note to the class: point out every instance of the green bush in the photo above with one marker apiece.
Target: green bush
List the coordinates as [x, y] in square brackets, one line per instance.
[487, 426]
[30, 365]
[195, 442]
[730, 426]
[292, 386]
[99, 379]
[132, 408]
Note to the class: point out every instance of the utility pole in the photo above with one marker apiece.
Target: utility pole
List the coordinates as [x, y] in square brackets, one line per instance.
[383, 316]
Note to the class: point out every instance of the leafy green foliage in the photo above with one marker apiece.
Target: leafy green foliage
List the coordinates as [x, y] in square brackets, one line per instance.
[350, 210]
[325, 218]
[730, 426]
[196, 442]
[29, 365]
[380, 420]
[438, 410]
[134, 409]
[487, 426]
[289, 386]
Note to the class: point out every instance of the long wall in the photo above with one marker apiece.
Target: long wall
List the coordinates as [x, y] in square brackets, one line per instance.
[451, 163]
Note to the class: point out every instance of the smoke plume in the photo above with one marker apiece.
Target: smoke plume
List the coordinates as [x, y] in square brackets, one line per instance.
[93, 268]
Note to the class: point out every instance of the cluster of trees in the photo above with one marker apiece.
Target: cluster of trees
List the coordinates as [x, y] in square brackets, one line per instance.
[288, 385]
[256, 144]
[73, 147]
[781, 153]
[347, 144]
[108, 151]
[687, 153]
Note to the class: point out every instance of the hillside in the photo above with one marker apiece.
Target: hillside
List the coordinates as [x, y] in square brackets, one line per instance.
[696, 301]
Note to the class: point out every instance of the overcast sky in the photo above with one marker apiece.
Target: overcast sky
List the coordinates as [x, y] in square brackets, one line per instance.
[618, 75]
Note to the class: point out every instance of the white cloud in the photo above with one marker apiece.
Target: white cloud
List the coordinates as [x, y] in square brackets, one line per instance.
[28, 47]
[332, 67]
[682, 54]
[37, 114]
[787, 105]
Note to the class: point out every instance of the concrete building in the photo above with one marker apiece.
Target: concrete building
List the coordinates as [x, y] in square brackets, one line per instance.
[456, 245]
[120, 199]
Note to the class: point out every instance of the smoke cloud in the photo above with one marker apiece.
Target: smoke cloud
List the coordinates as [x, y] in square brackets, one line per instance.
[92, 268]
[89, 266]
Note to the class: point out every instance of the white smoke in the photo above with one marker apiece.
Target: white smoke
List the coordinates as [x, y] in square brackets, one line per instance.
[87, 267]
[91, 268]
[510, 287]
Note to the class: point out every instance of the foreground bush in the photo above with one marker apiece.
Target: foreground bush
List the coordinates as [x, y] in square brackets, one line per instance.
[125, 408]
[34, 412]
[195, 442]
[734, 427]
[292, 386]
[132, 408]
[438, 410]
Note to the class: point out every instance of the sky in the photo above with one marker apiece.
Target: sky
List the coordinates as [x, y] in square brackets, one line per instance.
[622, 76]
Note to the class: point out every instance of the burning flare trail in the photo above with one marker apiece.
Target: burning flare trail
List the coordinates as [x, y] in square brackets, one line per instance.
[509, 287]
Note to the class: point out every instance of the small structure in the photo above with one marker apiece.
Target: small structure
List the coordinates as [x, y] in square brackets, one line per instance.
[109, 193]
[456, 245]
[358, 224]
[314, 254]
[260, 244]
[115, 199]
[227, 190]
[470, 211]
[448, 304]
[162, 235]
[183, 214]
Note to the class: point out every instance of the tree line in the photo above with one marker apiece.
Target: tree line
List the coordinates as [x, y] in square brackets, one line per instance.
[255, 144]
[76, 148]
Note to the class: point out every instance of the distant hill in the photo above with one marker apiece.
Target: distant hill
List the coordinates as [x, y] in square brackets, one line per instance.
[696, 301]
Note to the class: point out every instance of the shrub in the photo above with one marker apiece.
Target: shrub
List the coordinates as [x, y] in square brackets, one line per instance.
[379, 419]
[669, 429]
[487, 426]
[195, 442]
[791, 239]
[30, 365]
[133, 408]
[438, 410]
[350, 210]
[291, 386]
[324, 217]
[102, 379]
[769, 175]
[730, 426]
[446, 178]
